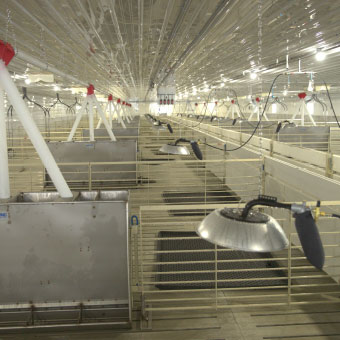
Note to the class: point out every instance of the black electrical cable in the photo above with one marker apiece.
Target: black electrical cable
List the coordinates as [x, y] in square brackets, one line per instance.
[262, 114]
[205, 111]
[212, 146]
[330, 100]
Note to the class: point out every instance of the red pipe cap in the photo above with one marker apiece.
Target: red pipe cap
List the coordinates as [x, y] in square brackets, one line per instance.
[118, 100]
[6, 52]
[123, 103]
[90, 90]
[257, 99]
[233, 101]
[302, 95]
[110, 98]
[216, 103]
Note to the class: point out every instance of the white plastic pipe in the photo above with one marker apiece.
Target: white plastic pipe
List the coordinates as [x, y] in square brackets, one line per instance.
[128, 110]
[33, 132]
[100, 120]
[91, 121]
[77, 121]
[102, 115]
[124, 113]
[120, 120]
[110, 113]
[99, 123]
[4, 175]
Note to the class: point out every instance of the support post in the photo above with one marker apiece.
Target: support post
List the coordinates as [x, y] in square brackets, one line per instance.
[33, 132]
[116, 108]
[77, 121]
[102, 115]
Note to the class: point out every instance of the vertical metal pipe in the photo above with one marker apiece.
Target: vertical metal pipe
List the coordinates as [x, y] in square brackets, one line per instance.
[33, 132]
[4, 174]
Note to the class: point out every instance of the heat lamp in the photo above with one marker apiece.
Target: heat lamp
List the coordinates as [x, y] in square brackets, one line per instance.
[251, 230]
[282, 124]
[176, 149]
[158, 125]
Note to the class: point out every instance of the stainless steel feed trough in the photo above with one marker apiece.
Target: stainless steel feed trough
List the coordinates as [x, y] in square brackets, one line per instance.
[64, 261]
[100, 175]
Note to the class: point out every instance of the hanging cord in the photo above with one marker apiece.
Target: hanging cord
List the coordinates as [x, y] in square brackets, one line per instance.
[24, 91]
[205, 107]
[262, 114]
[58, 101]
[276, 100]
[330, 101]
[212, 146]
[74, 104]
[315, 98]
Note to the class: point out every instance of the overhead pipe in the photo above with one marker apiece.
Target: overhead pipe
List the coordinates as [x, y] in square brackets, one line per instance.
[162, 33]
[53, 35]
[120, 38]
[57, 16]
[140, 42]
[182, 12]
[89, 21]
[47, 67]
[220, 9]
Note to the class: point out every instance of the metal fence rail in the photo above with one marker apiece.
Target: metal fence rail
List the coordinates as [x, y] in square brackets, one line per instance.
[174, 270]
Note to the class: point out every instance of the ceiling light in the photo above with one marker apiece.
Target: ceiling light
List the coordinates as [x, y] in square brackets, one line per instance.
[222, 84]
[248, 230]
[320, 55]
[253, 75]
[285, 92]
[56, 88]
[27, 81]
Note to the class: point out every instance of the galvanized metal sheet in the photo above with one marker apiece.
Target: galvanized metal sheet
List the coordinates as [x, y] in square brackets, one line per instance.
[52, 251]
[315, 137]
[99, 151]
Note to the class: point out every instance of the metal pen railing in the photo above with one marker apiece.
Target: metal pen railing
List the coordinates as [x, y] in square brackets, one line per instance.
[177, 271]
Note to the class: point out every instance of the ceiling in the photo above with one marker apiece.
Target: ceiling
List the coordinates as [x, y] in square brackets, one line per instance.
[127, 47]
